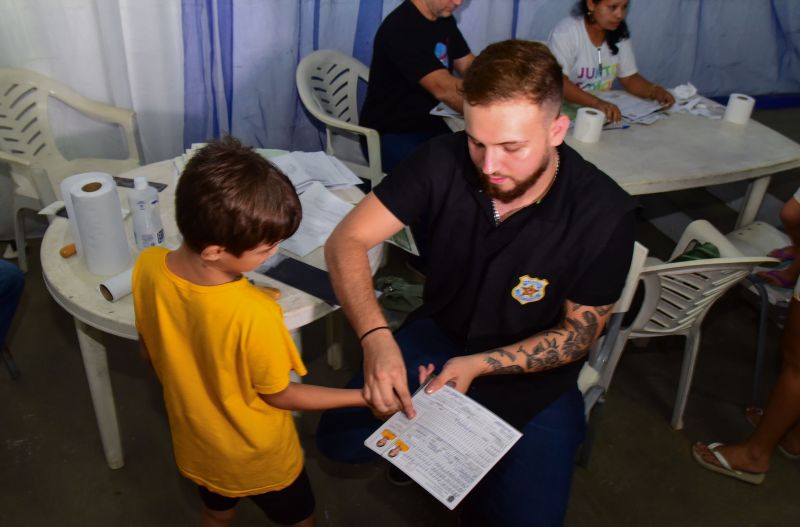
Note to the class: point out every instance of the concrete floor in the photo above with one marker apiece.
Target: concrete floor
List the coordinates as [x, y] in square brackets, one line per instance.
[52, 469]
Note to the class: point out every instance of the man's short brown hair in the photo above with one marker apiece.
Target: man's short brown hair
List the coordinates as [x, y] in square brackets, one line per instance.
[512, 69]
[229, 195]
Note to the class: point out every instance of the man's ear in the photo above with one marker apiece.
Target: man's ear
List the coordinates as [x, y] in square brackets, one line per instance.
[212, 253]
[558, 129]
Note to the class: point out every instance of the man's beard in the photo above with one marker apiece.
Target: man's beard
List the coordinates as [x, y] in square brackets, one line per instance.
[507, 196]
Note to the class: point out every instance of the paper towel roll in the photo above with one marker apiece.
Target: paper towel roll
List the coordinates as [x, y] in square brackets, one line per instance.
[117, 286]
[739, 108]
[588, 125]
[95, 218]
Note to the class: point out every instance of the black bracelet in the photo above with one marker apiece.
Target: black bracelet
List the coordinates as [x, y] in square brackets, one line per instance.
[372, 331]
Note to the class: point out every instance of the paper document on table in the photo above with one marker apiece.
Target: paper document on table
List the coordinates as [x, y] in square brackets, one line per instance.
[448, 447]
[633, 109]
[303, 168]
[442, 110]
[322, 211]
[405, 240]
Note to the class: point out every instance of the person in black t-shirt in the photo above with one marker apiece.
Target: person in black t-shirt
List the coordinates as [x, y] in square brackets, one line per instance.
[414, 53]
[529, 247]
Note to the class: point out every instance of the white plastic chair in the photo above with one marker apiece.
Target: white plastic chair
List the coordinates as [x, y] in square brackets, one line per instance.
[28, 146]
[757, 239]
[327, 83]
[677, 297]
[595, 376]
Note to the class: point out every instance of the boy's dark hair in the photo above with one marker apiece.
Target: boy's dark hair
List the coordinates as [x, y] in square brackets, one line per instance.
[229, 195]
[514, 68]
[612, 37]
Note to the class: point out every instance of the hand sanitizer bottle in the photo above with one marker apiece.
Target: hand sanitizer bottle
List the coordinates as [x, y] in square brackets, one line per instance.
[143, 202]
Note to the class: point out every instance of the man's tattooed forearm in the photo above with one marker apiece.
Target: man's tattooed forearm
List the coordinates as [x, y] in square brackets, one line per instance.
[498, 367]
[554, 346]
[603, 310]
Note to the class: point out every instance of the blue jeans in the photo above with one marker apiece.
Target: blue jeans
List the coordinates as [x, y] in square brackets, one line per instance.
[529, 486]
[11, 282]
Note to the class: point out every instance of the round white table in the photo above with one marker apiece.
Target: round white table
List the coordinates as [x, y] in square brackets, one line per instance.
[76, 290]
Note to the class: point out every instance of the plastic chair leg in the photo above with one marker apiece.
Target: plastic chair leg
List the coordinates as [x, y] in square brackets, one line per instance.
[585, 451]
[10, 364]
[19, 238]
[761, 339]
[687, 372]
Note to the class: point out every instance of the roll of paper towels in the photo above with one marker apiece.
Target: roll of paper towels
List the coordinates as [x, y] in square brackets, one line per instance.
[588, 125]
[739, 108]
[118, 286]
[95, 217]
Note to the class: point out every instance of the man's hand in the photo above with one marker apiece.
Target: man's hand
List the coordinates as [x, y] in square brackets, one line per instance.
[385, 381]
[458, 372]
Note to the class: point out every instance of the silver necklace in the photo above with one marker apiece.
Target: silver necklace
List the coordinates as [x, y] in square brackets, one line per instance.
[496, 215]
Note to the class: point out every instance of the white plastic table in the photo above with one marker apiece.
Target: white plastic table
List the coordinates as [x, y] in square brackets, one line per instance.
[75, 289]
[687, 151]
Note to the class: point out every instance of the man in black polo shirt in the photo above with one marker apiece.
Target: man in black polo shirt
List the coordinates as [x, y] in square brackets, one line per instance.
[529, 249]
[414, 53]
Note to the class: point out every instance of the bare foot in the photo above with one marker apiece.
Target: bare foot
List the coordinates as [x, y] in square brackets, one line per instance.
[737, 456]
[789, 443]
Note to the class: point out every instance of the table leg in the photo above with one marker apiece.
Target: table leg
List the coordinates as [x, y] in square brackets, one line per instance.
[752, 201]
[298, 342]
[95, 363]
[333, 340]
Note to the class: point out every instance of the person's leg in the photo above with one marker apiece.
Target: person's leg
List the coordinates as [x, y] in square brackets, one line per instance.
[216, 510]
[530, 486]
[790, 218]
[341, 432]
[781, 414]
[292, 506]
[12, 281]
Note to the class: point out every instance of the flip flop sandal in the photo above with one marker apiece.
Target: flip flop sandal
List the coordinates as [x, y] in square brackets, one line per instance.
[752, 411]
[783, 254]
[775, 279]
[724, 467]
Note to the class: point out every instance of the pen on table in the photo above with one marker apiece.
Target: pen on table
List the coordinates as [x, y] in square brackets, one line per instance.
[599, 64]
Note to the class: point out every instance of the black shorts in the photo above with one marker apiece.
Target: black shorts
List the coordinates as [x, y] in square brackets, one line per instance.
[291, 505]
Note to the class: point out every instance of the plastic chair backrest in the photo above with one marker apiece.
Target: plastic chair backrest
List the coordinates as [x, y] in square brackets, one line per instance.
[678, 295]
[327, 84]
[26, 136]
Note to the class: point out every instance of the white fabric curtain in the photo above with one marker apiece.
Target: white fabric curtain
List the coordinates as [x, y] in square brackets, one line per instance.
[127, 53]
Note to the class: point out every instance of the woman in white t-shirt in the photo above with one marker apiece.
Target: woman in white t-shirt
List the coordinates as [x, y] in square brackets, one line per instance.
[593, 48]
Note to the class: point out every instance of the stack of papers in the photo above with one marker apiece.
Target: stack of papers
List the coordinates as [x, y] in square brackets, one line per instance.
[322, 212]
[442, 110]
[688, 101]
[633, 109]
[181, 160]
[305, 168]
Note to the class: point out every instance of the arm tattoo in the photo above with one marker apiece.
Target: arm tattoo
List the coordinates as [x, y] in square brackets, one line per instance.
[498, 367]
[604, 310]
[564, 344]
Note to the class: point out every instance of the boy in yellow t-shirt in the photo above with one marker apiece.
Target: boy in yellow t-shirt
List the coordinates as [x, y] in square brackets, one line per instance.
[218, 344]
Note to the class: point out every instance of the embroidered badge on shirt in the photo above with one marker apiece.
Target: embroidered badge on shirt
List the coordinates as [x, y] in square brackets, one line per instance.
[529, 289]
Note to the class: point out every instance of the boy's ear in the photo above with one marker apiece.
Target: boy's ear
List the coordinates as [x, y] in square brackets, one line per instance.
[212, 253]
